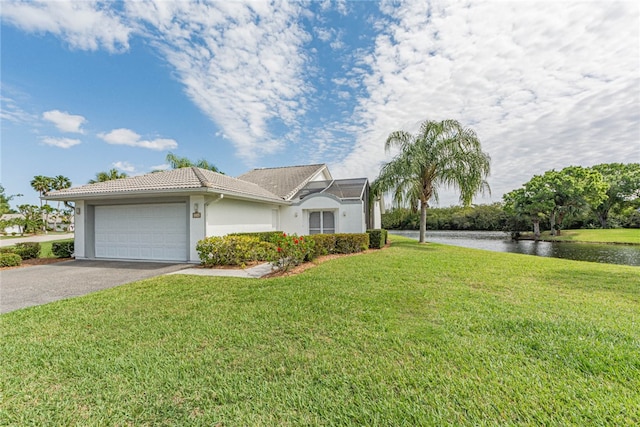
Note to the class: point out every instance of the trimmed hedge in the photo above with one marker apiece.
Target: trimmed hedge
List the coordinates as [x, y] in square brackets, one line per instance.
[344, 243]
[233, 250]
[62, 249]
[377, 238]
[27, 250]
[10, 260]
[263, 236]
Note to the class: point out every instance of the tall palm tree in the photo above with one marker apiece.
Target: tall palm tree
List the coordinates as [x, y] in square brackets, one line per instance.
[441, 154]
[59, 182]
[41, 184]
[110, 175]
[177, 162]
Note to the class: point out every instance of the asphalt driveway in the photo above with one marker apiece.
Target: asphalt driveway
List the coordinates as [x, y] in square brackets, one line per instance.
[29, 286]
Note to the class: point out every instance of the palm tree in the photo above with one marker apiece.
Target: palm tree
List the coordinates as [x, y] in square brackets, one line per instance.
[110, 175]
[442, 154]
[177, 162]
[59, 182]
[41, 184]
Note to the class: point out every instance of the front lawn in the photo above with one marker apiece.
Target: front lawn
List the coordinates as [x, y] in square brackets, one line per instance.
[410, 335]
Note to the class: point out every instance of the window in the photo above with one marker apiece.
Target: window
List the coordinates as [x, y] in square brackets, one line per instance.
[322, 222]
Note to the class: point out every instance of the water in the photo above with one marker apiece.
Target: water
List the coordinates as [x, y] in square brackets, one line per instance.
[501, 242]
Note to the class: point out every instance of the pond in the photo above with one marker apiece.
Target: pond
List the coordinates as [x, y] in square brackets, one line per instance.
[501, 242]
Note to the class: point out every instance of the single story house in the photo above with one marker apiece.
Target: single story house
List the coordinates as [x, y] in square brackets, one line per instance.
[161, 216]
[13, 228]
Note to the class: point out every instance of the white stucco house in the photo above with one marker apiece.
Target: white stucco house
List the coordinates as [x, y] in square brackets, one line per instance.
[161, 216]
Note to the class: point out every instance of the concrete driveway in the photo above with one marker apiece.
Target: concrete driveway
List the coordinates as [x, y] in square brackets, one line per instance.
[29, 286]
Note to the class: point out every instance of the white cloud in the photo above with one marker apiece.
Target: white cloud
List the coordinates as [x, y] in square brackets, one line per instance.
[242, 63]
[545, 85]
[64, 121]
[60, 142]
[12, 112]
[124, 167]
[128, 137]
[86, 25]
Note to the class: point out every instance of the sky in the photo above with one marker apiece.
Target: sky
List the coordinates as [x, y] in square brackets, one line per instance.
[87, 86]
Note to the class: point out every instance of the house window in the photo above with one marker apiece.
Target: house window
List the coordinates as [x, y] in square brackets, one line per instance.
[322, 222]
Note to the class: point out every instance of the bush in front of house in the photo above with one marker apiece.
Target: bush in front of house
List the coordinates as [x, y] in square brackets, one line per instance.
[377, 238]
[62, 249]
[325, 244]
[27, 250]
[264, 236]
[10, 260]
[343, 243]
[292, 250]
[351, 243]
[233, 250]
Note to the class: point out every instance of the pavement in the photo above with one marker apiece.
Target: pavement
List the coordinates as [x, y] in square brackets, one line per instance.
[41, 284]
[249, 273]
[36, 238]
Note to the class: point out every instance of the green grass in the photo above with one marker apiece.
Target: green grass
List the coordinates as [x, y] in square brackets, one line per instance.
[411, 335]
[45, 248]
[615, 235]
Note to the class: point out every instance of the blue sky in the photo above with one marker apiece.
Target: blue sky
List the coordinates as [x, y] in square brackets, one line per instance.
[87, 86]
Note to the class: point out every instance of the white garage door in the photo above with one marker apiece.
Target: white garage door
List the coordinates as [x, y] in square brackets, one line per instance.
[151, 231]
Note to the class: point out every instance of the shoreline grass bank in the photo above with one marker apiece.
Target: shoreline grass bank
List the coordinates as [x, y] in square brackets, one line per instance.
[410, 335]
[615, 236]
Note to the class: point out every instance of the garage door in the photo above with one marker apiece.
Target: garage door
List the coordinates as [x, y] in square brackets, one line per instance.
[151, 231]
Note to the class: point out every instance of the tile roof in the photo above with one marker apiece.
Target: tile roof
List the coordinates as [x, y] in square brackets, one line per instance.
[284, 181]
[178, 179]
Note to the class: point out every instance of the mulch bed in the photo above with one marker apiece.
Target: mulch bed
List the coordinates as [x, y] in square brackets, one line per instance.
[36, 261]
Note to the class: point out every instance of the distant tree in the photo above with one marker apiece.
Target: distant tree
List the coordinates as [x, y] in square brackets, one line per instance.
[442, 154]
[5, 207]
[556, 195]
[110, 175]
[177, 162]
[574, 188]
[623, 188]
[60, 182]
[32, 218]
[42, 184]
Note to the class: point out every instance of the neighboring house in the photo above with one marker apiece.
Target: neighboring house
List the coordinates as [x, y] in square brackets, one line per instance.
[161, 216]
[62, 223]
[12, 229]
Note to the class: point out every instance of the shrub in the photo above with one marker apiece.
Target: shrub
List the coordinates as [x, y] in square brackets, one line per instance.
[264, 236]
[27, 250]
[7, 250]
[377, 238]
[62, 249]
[292, 250]
[345, 243]
[233, 250]
[324, 244]
[351, 243]
[10, 260]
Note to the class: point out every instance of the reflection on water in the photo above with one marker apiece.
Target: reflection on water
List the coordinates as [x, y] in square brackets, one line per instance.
[501, 242]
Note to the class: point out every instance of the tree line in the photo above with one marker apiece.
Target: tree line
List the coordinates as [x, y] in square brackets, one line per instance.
[601, 196]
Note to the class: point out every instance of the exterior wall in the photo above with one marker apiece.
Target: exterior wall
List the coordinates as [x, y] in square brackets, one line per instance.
[377, 214]
[197, 225]
[226, 216]
[79, 231]
[349, 216]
